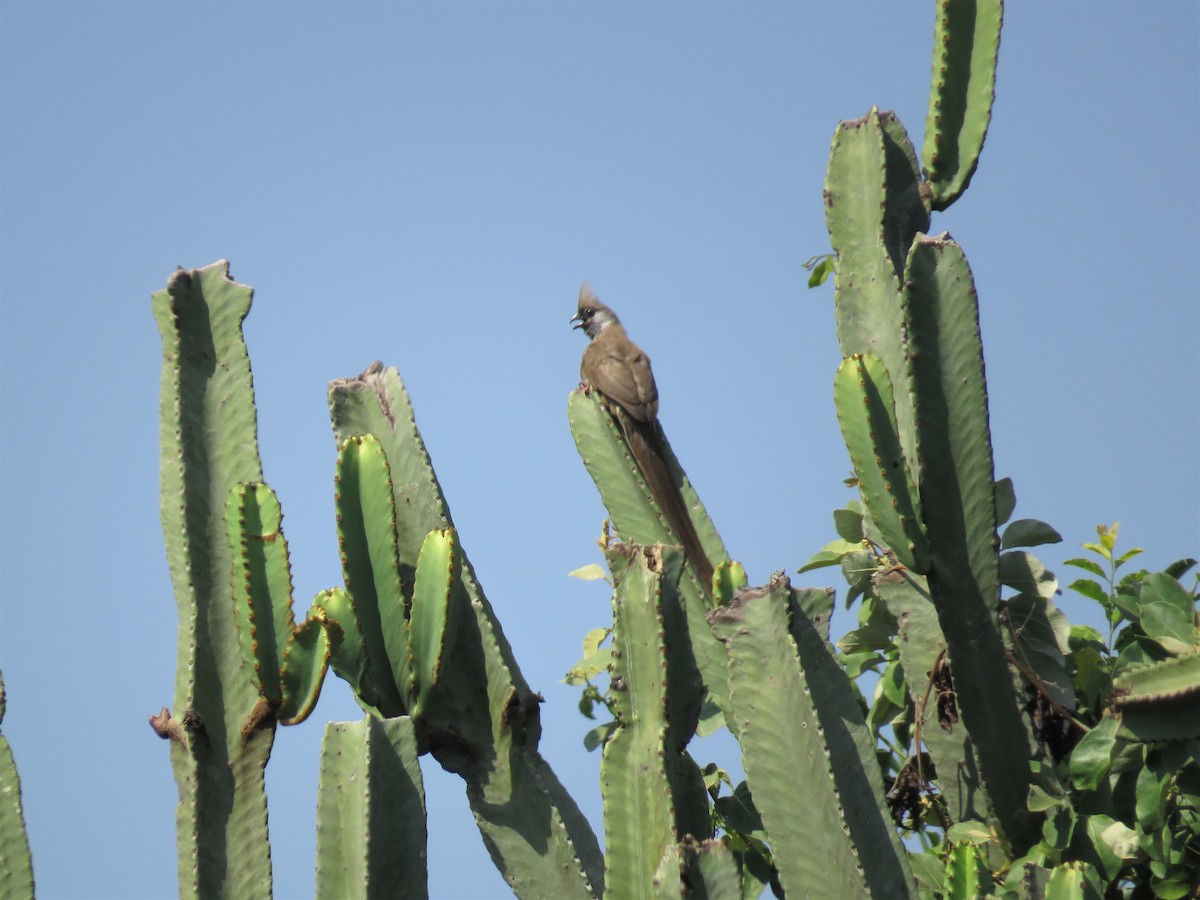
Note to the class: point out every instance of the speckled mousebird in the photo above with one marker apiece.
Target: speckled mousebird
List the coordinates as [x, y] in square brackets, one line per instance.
[620, 371]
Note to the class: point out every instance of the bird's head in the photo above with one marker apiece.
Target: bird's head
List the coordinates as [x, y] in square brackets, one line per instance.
[592, 316]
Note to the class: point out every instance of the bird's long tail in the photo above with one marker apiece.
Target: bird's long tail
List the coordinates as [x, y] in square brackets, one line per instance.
[646, 445]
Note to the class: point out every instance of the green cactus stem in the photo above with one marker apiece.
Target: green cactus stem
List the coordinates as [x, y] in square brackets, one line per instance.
[485, 724]
[288, 663]
[958, 502]
[653, 792]
[209, 444]
[435, 612]
[873, 209]
[371, 834]
[966, 43]
[930, 681]
[809, 758]
[637, 519]
[375, 580]
[1160, 701]
[16, 867]
[866, 412]
[351, 659]
[307, 653]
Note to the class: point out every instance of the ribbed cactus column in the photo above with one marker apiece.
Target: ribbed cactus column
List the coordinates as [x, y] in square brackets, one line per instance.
[371, 835]
[16, 870]
[209, 444]
[810, 760]
[480, 720]
[653, 792]
[637, 519]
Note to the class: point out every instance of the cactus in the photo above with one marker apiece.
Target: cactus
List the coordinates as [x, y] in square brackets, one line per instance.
[638, 520]
[653, 792]
[866, 411]
[16, 869]
[371, 833]
[966, 42]
[413, 634]
[805, 747]
[287, 661]
[923, 454]
[209, 445]
[482, 720]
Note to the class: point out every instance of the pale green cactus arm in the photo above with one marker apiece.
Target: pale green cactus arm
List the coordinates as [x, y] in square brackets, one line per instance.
[307, 653]
[286, 661]
[434, 613]
[866, 412]
[966, 42]
[208, 443]
[639, 815]
[706, 869]
[371, 833]
[809, 758]
[351, 658]
[16, 867]
[375, 579]
[262, 583]
[484, 724]
[637, 519]
[959, 510]
[873, 209]
[923, 655]
[653, 794]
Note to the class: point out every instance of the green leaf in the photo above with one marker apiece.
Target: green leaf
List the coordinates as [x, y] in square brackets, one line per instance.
[1081, 563]
[1022, 571]
[589, 667]
[927, 869]
[849, 525]
[829, 555]
[590, 572]
[1041, 800]
[1028, 533]
[1121, 840]
[1167, 614]
[593, 639]
[893, 684]
[1099, 550]
[1096, 826]
[1089, 589]
[1006, 500]
[1092, 756]
[598, 735]
[821, 271]
[1180, 567]
[712, 717]
[1128, 555]
[969, 833]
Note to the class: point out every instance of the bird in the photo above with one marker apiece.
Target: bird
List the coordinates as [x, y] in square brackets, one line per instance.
[619, 370]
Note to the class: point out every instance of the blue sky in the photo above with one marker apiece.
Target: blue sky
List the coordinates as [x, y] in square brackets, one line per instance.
[428, 184]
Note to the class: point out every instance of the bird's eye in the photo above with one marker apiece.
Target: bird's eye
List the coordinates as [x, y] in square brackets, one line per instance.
[588, 313]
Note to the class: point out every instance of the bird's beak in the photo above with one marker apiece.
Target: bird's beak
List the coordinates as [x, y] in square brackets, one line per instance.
[578, 320]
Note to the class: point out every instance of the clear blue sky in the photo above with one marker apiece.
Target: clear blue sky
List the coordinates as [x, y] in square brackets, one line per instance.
[427, 184]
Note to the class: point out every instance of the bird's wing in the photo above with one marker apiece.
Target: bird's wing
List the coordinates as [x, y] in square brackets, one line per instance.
[629, 382]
